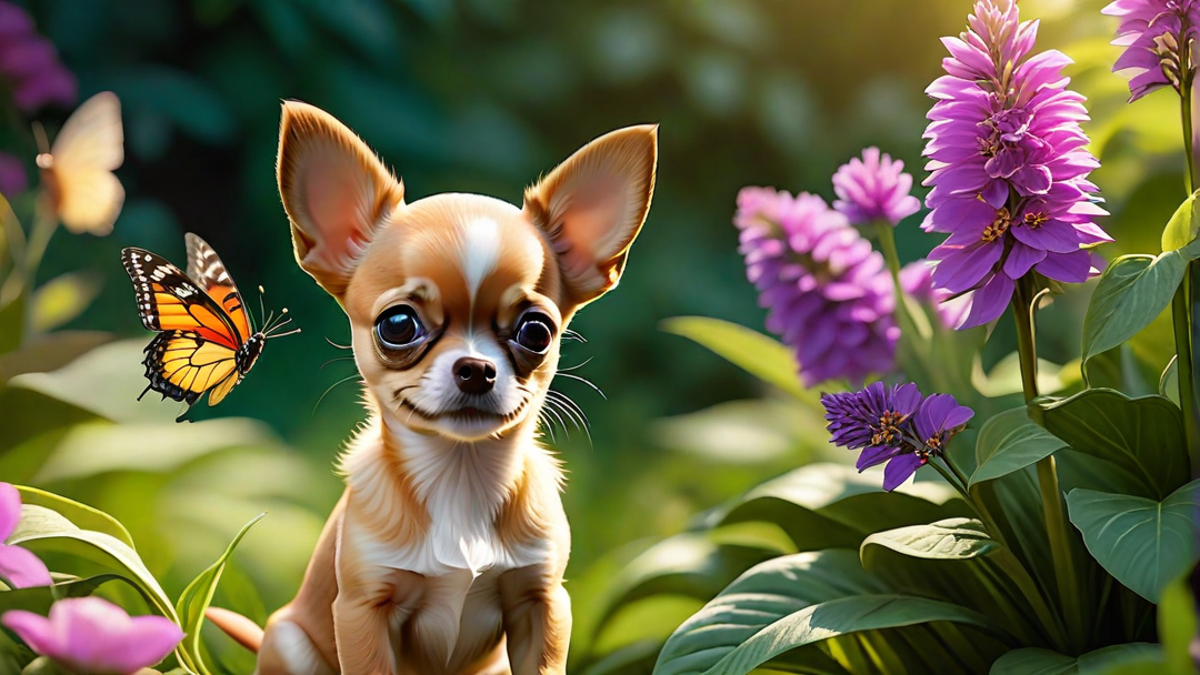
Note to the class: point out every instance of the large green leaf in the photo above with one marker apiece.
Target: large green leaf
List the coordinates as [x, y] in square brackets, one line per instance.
[1031, 661]
[757, 354]
[195, 600]
[950, 539]
[1144, 543]
[81, 515]
[1132, 292]
[43, 530]
[690, 564]
[793, 602]
[1142, 436]
[50, 352]
[832, 505]
[12, 324]
[1008, 442]
[39, 598]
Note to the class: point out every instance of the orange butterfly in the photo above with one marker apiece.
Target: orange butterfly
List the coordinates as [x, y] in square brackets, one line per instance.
[205, 341]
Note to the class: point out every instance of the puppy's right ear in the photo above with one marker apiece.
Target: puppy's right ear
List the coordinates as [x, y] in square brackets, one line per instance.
[335, 190]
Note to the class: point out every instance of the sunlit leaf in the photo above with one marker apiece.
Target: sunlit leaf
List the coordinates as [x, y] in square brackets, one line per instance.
[1181, 228]
[1142, 542]
[81, 515]
[1011, 441]
[1033, 661]
[950, 539]
[196, 598]
[62, 299]
[757, 354]
[45, 353]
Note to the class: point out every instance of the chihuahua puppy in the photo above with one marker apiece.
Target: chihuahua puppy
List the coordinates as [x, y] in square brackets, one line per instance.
[445, 554]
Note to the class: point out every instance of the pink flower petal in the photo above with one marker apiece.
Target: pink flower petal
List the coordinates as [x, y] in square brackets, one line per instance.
[10, 510]
[22, 568]
[35, 631]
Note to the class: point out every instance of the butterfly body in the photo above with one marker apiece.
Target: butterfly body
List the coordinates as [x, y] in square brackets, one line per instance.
[206, 343]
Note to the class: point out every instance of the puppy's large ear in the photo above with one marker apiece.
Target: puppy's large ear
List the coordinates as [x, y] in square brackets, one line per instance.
[593, 205]
[335, 190]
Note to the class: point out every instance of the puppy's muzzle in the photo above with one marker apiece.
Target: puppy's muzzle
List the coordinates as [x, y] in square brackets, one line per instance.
[474, 375]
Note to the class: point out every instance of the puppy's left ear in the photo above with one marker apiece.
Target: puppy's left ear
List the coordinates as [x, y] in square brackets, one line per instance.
[593, 205]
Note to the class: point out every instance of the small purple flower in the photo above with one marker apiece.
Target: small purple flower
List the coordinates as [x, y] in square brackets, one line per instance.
[893, 425]
[916, 280]
[874, 188]
[18, 567]
[1009, 167]
[829, 295]
[1157, 36]
[30, 63]
[92, 636]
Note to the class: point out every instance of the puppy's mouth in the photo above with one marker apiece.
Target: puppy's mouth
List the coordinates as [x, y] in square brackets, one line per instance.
[466, 414]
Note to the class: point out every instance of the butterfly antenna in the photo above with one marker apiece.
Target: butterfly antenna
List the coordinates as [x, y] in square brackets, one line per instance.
[43, 141]
[262, 312]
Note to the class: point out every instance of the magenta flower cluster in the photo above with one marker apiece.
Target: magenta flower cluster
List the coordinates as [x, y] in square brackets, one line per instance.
[1009, 167]
[894, 425]
[874, 189]
[829, 295]
[87, 636]
[30, 63]
[1158, 37]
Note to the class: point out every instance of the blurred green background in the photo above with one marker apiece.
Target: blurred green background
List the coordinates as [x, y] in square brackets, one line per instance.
[483, 96]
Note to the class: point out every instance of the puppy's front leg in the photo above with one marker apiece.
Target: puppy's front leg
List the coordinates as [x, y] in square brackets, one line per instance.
[371, 599]
[537, 620]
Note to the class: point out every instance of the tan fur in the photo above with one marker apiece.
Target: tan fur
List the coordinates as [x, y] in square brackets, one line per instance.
[447, 550]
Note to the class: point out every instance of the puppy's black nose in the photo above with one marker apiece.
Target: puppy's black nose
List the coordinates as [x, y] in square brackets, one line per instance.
[474, 376]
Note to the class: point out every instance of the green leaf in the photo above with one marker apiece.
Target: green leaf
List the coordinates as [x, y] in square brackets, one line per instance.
[195, 600]
[757, 354]
[632, 659]
[1168, 384]
[800, 600]
[12, 324]
[1008, 442]
[63, 298]
[43, 530]
[1181, 228]
[1143, 543]
[1142, 436]
[1177, 625]
[1132, 292]
[1031, 661]
[690, 564]
[39, 599]
[50, 352]
[949, 539]
[834, 506]
[80, 515]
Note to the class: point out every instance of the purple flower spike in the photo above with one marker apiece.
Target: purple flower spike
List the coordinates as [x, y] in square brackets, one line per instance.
[829, 295]
[893, 425]
[18, 567]
[92, 636]
[1008, 166]
[916, 279]
[874, 188]
[1157, 36]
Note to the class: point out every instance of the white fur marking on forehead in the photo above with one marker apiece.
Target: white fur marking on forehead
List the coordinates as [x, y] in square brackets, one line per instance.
[480, 252]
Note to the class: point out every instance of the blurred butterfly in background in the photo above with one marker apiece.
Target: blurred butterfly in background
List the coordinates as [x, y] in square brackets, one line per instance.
[78, 169]
[206, 342]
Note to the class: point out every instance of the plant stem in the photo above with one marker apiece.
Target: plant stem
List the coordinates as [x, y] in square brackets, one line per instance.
[1057, 527]
[952, 479]
[1181, 305]
[908, 317]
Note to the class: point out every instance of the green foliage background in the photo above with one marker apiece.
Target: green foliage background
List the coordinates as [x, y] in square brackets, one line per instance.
[483, 96]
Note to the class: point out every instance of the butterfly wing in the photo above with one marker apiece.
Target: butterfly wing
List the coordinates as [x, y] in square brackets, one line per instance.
[168, 300]
[88, 149]
[182, 365]
[206, 269]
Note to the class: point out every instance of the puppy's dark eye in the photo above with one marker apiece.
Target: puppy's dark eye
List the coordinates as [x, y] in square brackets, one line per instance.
[534, 333]
[399, 327]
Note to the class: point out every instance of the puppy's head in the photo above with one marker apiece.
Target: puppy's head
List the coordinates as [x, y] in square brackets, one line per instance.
[458, 302]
